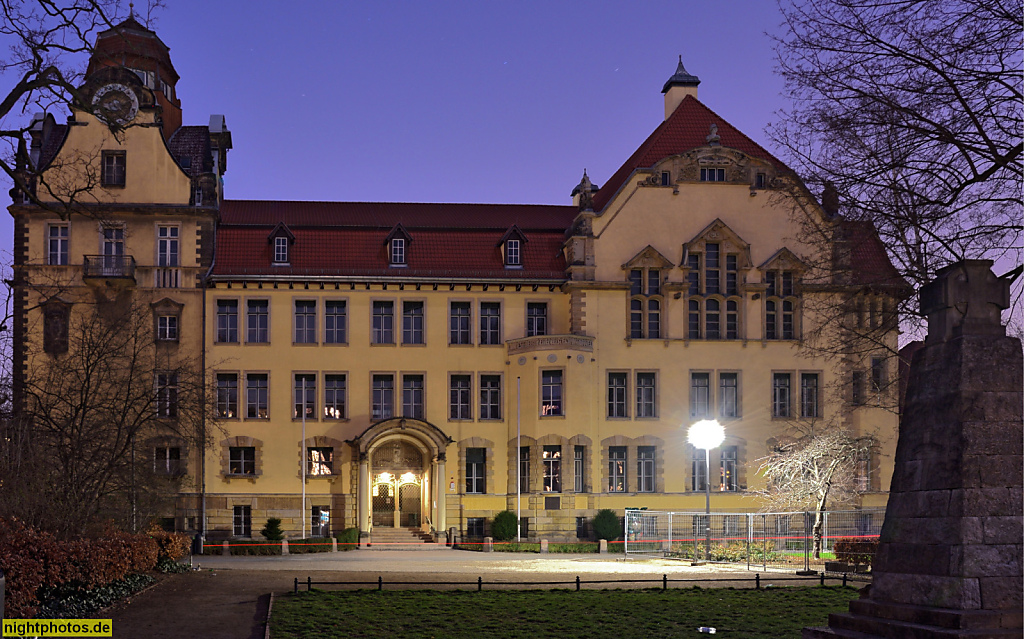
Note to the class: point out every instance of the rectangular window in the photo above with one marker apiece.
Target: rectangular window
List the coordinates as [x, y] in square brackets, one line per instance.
[475, 527]
[459, 406]
[335, 396]
[728, 395]
[490, 397]
[877, 374]
[788, 327]
[458, 323]
[398, 250]
[693, 273]
[636, 282]
[227, 395]
[167, 460]
[666, 178]
[320, 461]
[57, 245]
[636, 319]
[645, 469]
[698, 470]
[113, 169]
[242, 521]
[712, 175]
[167, 246]
[780, 395]
[167, 328]
[809, 395]
[732, 320]
[617, 395]
[305, 322]
[475, 470]
[712, 319]
[383, 402]
[524, 469]
[857, 398]
[551, 393]
[281, 249]
[727, 468]
[383, 323]
[412, 396]
[167, 395]
[578, 468]
[862, 471]
[227, 321]
[693, 318]
[305, 396]
[700, 395]
[646, 397]
[536, 319]
[256, 396]
[552, 460]
[257, 321]
[760, 180]
[242, 460]
[771, 320]
[712, 269]
[335, 322]
[616, 469]
[512, 253]
[320, 521]
[731, 275]
[412, 323]
[490, 323]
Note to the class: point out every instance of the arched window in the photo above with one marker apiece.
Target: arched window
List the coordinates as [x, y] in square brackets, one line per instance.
[645, 303]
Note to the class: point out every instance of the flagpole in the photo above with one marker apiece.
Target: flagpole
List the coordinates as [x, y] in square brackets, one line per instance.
[519, 465]
[302, 508]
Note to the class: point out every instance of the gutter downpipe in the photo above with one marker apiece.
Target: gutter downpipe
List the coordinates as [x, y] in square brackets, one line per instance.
[202, 364]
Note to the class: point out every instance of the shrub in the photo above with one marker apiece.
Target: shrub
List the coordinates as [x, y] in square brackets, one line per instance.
[855, 551]
[606, 525]
[171, 545]
[310, 544]
[254, 548]
[272, 531]
[348, 539]
[504, 526]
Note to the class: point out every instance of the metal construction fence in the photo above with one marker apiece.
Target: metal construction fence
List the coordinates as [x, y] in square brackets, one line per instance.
[759, 540]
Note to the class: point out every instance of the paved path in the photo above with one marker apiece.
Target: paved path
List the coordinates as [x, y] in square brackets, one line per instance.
[228, 598]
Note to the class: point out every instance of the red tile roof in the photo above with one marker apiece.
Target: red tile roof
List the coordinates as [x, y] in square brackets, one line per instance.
[686, 129]
[361, 252]
[388, 214]
[869, 262]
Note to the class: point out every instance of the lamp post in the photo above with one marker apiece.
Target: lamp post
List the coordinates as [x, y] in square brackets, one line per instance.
[706, 434]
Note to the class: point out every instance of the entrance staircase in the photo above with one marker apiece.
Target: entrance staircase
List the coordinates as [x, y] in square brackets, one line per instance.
[385, 538]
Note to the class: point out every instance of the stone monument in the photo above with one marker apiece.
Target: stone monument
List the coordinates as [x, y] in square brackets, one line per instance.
[949, 556]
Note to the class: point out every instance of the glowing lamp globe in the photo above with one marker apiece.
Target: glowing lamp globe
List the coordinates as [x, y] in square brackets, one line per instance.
[706, 434]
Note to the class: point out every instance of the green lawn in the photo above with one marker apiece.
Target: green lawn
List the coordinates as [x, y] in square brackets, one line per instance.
[771, 613]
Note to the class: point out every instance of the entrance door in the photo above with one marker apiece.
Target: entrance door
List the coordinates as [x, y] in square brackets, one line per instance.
[383, 506]
[409, 505]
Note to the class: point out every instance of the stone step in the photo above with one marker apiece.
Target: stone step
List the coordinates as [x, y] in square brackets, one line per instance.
[854, 625]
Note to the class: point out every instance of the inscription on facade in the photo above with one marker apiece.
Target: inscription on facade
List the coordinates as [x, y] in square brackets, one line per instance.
[551, 343]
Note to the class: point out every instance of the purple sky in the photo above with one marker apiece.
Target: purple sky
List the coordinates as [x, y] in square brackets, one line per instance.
[458, 102]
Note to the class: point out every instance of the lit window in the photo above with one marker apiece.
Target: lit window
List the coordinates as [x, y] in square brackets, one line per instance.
[320, 461]
[242, 460]
[281, 249]
[334, 396]
[551, 393]
[305, 396]
[552, 460]
[616, 469]
[57, 245]
[227, 395]
[727, 468]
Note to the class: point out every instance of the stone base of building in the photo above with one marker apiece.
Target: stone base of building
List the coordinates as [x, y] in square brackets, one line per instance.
[869, 619]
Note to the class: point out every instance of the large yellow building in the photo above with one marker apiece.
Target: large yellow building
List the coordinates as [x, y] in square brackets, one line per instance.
[426, 365]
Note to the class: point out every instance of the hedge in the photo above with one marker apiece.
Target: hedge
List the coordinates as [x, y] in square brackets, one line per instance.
[853, 550]
[34, 561]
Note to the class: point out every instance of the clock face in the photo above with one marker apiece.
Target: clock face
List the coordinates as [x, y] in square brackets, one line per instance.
[115, 104]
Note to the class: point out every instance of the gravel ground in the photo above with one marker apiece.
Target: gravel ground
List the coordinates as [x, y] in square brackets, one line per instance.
[229, 596]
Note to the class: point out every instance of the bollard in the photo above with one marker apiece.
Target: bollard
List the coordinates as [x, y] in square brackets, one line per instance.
[757, 580]
[284, 547]
[309, 584]
[823, 578]
[543, 546]
[488, 544]
[603, 547]
[664, 582]
[334, 544]
[479, 584]
[577, 583]
[380, 584]
[844, 580]
[225, 549]
[296, 591]
[197, 544]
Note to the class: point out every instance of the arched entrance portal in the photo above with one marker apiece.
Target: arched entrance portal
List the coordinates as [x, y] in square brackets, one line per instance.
[401, 475]
[399, 479]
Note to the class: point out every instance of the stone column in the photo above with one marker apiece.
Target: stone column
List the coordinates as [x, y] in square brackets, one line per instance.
[442, 489]
[364, 493]
[949, 555]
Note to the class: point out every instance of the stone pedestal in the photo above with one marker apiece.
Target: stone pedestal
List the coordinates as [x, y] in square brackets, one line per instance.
[950, 552]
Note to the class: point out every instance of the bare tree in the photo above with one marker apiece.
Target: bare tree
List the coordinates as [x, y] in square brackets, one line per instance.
[907, 114]
[50, 42]
[100, 399]
[815, 469]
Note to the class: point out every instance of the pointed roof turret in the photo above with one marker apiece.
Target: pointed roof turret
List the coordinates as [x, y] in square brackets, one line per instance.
[681, 78]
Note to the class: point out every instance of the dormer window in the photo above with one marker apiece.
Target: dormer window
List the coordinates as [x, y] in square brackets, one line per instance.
[280, 250]
[712, 174]
[398, 251]
[513, 257]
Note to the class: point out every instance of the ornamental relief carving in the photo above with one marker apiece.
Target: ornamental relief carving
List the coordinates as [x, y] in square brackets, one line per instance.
[397, 455]
[551, 343]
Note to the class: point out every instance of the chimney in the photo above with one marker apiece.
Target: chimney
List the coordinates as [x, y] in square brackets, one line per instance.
[678, 87]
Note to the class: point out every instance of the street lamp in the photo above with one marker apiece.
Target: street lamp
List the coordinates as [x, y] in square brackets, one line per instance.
[706, 434]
